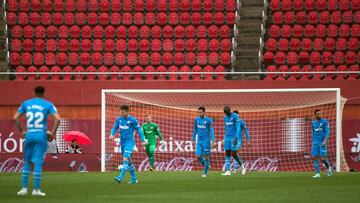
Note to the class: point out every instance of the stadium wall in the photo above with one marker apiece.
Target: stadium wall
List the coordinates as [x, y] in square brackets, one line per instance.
[79, 104]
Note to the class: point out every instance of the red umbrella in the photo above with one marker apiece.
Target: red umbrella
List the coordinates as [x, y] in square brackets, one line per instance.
[80, 137]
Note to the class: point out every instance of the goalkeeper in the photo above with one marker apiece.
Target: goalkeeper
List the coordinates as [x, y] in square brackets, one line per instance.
[151, 131]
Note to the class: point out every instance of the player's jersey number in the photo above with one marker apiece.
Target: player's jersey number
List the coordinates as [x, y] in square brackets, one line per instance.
[34, 120]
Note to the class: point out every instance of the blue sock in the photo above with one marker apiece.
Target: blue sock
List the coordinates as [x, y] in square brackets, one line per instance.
[25, 174]
[37, 175]
[326, 162]
[206, 166]
[132, 171]
[202, 161]
[227, 163]
[316, 166]
[236, 166]
[123, 170]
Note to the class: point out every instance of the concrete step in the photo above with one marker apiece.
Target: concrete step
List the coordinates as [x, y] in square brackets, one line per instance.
[242, 52]
[250, 45]
[251, 11]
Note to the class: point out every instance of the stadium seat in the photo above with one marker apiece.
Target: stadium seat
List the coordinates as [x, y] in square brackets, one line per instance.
[90, 69]
[61, 59]
[306, 44]
[149, 69]
[150, 18]
[347, 17]
[12, 5]
[355, 30]
[224, 31]
[109, 32]
[292, 58]
[275, 5]
[172, 69]
[190, 58]
[74, 45]
[324, 17]
[31, 69]
[321, 5]
[336, 17]
[280, 58]
[207, 18]
[213, 31]
[341, 44]
[103, 70]
[318, 76]
[173, 18]
[353, 44]
[225, 58]
[196, 5]
[329, 44]
[326, 58]
[268, 57]
[185, 5]
[196, 76]
[315, 58]
[109, 45]
[330, 76]
[269, 75]
[80, 18]
[109, 59]
[120, 59]
[184, 68]
[85, 59]
[67, 76]
[104, 19]
[167, 31]
[161, 19]
[196, 18]
[144, 59]
[179, 45]
[294, 69]
[274, 31]
[185, 18]
[98, 32]
[97, 59]
[214, 45]
[114, 72]
[283, 76]
[312, 17]
[155, 58]
[208, 69]
[213, 58]
[342, 76]
[144, 32]
[133, 32]
[286, 5]
[73, 59]
[354, 76]
[79, 69]
[318, 44]
[28, 45]
[132, 59]
[286, 31]
[121, 32]
[55, 76]
[144, 45]
[29, 32]
[15, 45]
[137, 75]
[34, 18]
[156, 32]
[277, 18]
[220, 70]
[350, 58]
[26, 59]
[156, 45]
[306, 76]
[139, 18]
[125, 73]
[161, 69]
[75, 32]
[201, 32]
[283, 44]
[69, 19]
[339, 58]
[86, 45]
[179, 31]
[304, 57]
[127, 19]
[70, 6]
[289, 18]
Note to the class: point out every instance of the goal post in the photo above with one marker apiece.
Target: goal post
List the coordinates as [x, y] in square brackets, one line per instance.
[278, 121]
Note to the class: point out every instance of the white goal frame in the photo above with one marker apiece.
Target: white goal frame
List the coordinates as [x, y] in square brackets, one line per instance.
[335, 90]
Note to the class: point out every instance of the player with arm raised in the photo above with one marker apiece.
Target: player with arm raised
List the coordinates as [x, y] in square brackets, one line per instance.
[151, 132]
[203, 128]
[320, 136]
[127, 125]
[36, 135]
[232, 134]
[239, 142]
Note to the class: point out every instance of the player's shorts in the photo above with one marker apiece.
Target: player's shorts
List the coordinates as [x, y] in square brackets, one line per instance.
[150, 148]
[127, 149]
[203, 148]
[35, 147]
[318, 150]
[232, 145]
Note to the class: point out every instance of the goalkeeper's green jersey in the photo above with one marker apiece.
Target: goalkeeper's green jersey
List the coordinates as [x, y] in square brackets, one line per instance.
[151, 131]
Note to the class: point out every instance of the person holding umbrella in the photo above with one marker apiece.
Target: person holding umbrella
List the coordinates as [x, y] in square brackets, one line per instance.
[73, 148]
[76, 137]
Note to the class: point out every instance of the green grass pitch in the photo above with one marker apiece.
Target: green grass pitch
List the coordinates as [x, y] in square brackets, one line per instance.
[186, 187]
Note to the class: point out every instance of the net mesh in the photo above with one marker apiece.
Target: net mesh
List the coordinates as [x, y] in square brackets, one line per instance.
[279, 124]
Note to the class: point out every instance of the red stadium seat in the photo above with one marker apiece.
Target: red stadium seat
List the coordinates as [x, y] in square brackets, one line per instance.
[344, 5]
[104, 19]
[28, 45]
[75, 32]
[190, 32]
[306, 44]
[224, 31]
[55, 69]
[121, 32]
[357, 17]
[179, 58]
[289, 18]
[90, 69]
[109, 45]
[292, 58]
[127, 5]
[15, 45]
[321, 5]
[202, 58]
[347, 17]
[201, 31]
[269, 75]
[329, 44]
[312, 17]
[167, 59]
[150, 19]
[125, 75]
[286, 31]
[67, 69]
[309, 31]
[196, 76]
[304, 57]
[167, 31]
[97, 45]
[102, 70]
[137, 75]
[97, 59]
[34, 18]
[271, 44]
[213, 31]
[283, 44]
[109, 32]
[61, 59]
[214, 45]
[230, 5]
[184, 69]
[318, 44]
[173, 69]
[275, 5]
[324, 17]
[161, 69]
[92, 18]
[144, 45]
[98, 32]
[132, 59]
[156, 45]
[149, 69]
[31, 69]
[155, 58]
[268, 57]
[294, 69]
[39, 45]
[286, 5]
[190, 58]
[280, 58]
[185, 5]
[73, 59]
[51, 45]
[133, 32]
[161, 18]
[69, 19]
[74, 45]
[213, 58]
[208, 69]
[339, 58]
[80, 18]
[144, 59]
[185, 18]
[350, 58]
[220, 69]
[327, 58]
[50, 59]
[24, 5]
[86, 45]
[336, 17]
[353, 44]
[315, 58]
[196, 18]
[230, 18]
[274, 31]
[202, 45]
[306, 76]
[330, 76]
[173, 18]
[321, 31]
[12, 5]
[109, 59]
[115, 72]
[29, 31]
[355, 30]
[341, 44]
[342, 76]
[139, 5]
[309, 5]
[79, 69]
[121, 45]
[116, 5]
[301, 17]
[283, 76]
[70, 6]
[120, 59]
[11, 18]
[225, 45]
[139, 19]
[354, 76]
[179, 45]
[207, 18]
[64, 32]
[168, 45]
[225, 58]
[85, 59]
[156, 32]
[115, 19]
[277, 18]
[179, 31]
[26, 59]
[196, 5]
[127, 19]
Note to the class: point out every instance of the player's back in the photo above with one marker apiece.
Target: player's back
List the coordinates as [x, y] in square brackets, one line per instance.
[203, 127]
[230, 125]
[36, 111]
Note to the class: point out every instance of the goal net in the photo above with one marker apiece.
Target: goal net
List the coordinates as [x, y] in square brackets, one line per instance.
[278, 121]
